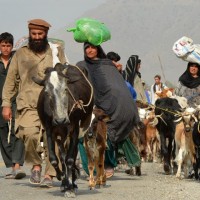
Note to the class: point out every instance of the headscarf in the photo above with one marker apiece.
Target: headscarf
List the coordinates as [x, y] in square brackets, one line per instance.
[188, 80]
[100, 54]
[131, 69]
[110, 91]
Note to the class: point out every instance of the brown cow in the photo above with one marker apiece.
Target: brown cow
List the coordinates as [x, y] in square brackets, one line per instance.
[95, 141]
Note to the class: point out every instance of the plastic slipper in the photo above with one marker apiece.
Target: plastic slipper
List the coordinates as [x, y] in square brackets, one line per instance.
[35, 177]
[10, 175]
[19, 174]
[109, 173]
[48, 183]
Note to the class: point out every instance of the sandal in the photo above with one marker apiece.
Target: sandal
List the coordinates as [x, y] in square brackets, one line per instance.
[35, 177]
[19, 174]
[10, 175]
[129, 171]
[47, 182]
[109, 173]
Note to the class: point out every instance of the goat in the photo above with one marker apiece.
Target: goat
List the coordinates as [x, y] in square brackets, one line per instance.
[95, 141]
[185, 152]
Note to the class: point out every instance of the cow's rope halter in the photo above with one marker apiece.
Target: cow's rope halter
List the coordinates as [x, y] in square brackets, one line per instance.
[79, 103]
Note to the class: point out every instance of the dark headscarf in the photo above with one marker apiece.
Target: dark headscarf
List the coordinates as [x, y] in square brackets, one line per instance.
[131, 69]
[100, 54]
[111, 95]
[188, 80]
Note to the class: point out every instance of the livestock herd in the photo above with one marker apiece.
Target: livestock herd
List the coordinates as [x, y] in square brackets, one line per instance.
[170, 132]
[174, 136]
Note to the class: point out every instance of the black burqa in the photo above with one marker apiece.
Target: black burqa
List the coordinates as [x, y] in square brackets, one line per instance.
[188, 80]
[111, 95]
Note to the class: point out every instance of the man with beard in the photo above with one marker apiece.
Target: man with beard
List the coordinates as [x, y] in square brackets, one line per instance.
[30, 60]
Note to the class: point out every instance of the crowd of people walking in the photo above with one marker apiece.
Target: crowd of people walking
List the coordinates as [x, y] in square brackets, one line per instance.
[116, 92]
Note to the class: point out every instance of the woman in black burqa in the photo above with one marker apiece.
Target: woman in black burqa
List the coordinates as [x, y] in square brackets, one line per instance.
[110, 94]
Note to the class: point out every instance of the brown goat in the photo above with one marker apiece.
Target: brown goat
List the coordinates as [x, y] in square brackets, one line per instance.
[185, 151]
[165, 93]
[152, 136]
[95, 141]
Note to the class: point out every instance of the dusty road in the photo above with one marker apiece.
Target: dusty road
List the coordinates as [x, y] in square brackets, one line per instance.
[153, 184]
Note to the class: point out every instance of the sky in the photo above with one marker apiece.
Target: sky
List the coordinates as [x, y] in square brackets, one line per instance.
[14, 14]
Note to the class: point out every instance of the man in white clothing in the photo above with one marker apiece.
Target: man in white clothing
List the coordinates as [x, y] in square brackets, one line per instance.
[156, 88]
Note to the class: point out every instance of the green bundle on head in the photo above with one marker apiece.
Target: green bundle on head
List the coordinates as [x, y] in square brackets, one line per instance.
[90, 30]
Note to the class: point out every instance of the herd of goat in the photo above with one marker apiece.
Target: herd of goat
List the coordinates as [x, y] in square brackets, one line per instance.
[173, 136]
[64, 109]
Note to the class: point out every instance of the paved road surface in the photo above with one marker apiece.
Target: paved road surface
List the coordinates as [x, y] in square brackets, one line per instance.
[153, 184]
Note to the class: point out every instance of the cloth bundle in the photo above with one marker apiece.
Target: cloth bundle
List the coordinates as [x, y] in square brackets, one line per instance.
[185, 49]
[90, 30]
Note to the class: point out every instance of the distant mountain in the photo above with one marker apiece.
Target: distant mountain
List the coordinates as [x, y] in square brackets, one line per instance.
[147, 28]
